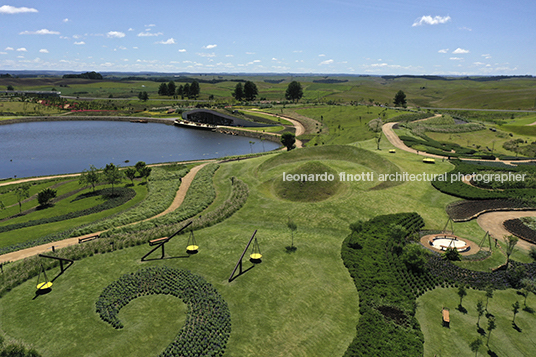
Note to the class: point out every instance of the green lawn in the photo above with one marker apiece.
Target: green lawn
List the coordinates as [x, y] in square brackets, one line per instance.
[505, 340]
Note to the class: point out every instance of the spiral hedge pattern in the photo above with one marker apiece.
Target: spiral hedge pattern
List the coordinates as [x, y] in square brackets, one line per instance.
[208, 323]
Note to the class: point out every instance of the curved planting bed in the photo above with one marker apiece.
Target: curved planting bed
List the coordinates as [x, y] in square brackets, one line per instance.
[208, 324]
[520, 229]
[467, 210]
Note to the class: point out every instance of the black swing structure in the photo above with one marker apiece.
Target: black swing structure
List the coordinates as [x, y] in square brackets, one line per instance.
[255, 257]
[191, 248]
[45, 285]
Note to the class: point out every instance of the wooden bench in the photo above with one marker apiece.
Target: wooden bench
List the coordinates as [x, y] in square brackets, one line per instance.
[446, 317]
[87, 238]
[158, 240]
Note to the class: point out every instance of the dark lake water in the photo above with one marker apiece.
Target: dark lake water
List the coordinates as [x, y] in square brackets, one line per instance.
[58, 147]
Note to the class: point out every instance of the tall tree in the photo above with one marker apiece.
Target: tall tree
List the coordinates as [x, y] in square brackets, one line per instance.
[250, 91]
[293, 227]
[171, 87]
[180, 91]
[145, 172]
[186, 90]
[112, 175]
[163, 89]
[400, 99]
[288, 140]
[143, 96]
[238, 92]
[489, 295]
[22, 192]
[475, 345]
[294, 91]
[194, 90]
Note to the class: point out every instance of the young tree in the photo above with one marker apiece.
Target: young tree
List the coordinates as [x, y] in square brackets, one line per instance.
[250, 91]
[489, 294]
[238, 92]
[90, 177]
[143, 96]
[511, 242]
[288, 140]
[45, 196]
[293, 227]
[171, 87]
[462, 292]
[400, 99]
[112, 175]
[194, 90]
[130, 173]
[22, 192]
[414, 258]
[529, 286]
[515, 309]
[480, 311]
[294, 91]
[139, 166]
[475, 345]
[145, 172]
[491, 327]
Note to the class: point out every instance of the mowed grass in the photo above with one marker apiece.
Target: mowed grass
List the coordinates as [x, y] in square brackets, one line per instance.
[292, 304]
[505, 340]
[63, 207]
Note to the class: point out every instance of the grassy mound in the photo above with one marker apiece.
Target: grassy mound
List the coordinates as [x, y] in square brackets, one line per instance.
[310, 182]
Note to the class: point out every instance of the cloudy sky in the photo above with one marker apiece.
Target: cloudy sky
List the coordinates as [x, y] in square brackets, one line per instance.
[481, 37]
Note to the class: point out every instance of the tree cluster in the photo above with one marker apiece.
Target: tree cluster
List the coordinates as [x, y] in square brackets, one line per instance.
[188, 90]
[246, 92]
[86, 75]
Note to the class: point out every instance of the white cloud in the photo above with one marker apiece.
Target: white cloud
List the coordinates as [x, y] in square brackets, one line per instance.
[322, 55]
[115, 34]
[43, 50]
[250, 53]
[149, 34]
[456, 59]
[130, 29]
[429, 20]
[487, 56]
[445, 50]
[182, 50]
[229, 55]
[80, 43]
[206, 54]
[66, 20]
[22, 49]
[39, 32]
[8, 9]
[478, 63]
[10, 49]
[170, 41]
[329, 61]
[208, 47]
[465, 28]
[460, 51]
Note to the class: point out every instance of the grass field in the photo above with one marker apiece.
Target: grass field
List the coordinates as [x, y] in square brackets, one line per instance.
[505, 340]
[295, 303]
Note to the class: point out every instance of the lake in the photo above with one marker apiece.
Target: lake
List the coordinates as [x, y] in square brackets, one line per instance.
[59, 147]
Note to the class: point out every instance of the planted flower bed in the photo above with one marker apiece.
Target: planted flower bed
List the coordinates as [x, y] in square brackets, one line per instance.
[466, 210]
[208, 323]
[520, 229]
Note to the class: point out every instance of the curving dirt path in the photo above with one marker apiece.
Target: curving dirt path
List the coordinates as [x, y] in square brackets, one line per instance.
[28, 252]
[300, 129]
[492, 222]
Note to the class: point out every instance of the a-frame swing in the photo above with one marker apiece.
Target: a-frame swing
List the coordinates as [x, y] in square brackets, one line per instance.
[191, 246]
[483, 241]
[254, 257]
[47, 284]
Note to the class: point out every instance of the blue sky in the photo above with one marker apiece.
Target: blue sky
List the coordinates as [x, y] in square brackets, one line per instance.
[453, 37]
